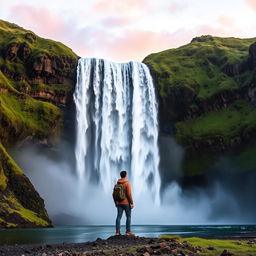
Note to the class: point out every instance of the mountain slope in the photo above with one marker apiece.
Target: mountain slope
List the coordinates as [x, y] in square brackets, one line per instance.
[207, 96]
[37, 77]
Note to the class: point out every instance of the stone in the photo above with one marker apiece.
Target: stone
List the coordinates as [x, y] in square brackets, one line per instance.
[155, 246]
[141, 250]
[149, 249]
[226, 253]
[162, 244]
[211, 248]
[251, 242]
[12, 51]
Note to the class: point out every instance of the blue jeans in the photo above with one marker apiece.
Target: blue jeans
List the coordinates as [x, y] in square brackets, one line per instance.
[120, 209]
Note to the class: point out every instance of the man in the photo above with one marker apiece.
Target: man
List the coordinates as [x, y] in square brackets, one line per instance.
[126, 203]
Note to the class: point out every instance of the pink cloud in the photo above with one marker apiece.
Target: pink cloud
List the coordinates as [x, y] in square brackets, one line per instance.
[176, 7]
[41, 20]
[118, 6]
[116, 21]
[103, 38]
[252, 4]
[137, 44]
[226, 21]
[214, 31]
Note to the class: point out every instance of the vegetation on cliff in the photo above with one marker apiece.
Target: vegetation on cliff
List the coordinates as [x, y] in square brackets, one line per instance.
[36, 79]
[20, 204]
[207, 96]
[204, 67]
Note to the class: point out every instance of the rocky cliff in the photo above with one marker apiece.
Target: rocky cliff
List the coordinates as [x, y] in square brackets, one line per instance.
[207, 98]
[37, 77]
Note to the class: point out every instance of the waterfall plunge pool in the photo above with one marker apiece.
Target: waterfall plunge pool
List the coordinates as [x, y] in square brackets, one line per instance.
[79, 234]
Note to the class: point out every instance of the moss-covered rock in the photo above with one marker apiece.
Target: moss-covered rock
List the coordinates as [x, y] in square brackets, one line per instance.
[37, 77]
[207, 92]
[29, 61]
[20, 204]
[207, 74]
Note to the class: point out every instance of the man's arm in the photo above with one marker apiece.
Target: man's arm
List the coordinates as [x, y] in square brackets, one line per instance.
[129, 194]
[113, 198]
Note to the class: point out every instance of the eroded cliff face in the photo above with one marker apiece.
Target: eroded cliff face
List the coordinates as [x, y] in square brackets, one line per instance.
[20, 204]
[37, 78]
[42, 74]
[207, 97]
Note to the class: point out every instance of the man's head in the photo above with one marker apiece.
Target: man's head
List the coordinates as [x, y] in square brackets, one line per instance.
[123, 174]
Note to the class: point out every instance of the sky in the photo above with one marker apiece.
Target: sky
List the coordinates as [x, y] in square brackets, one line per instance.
[124, 30]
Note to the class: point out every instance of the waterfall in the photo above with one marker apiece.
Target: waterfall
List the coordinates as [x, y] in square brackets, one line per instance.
[117, 127]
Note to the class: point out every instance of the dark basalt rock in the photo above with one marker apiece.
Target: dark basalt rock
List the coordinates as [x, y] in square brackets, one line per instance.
[226, 253]
[12, 51]
[252, 55]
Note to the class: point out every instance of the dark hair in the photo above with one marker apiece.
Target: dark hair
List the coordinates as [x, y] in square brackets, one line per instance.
[123, 174]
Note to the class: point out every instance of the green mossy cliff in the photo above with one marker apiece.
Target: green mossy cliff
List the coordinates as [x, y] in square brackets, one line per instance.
[207, 97]
[20, 204]
[37, 77]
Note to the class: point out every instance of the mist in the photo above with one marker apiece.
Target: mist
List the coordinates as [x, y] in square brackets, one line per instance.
[225, 199]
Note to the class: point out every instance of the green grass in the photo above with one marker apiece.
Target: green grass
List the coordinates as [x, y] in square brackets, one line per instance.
[12, 166]
[238, 247]
[197, 165]
[3, 179]
[39, 87]
[235, 246]
[222, 125]
[20, 72]
[246, 160]
[9, 204]
[10, 32]
[23, 117]
[23, 212]
[6, 84]
[26, 116]
[198, 66]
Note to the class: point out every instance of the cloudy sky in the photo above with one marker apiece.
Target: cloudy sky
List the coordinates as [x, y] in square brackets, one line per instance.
[123, 30]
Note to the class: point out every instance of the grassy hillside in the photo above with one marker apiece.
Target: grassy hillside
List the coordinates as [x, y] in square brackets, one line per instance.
[20, 204]
[237, 119]
[22, 116]
[202, 66]
[36, 78]
[207, 98]
[14, 38]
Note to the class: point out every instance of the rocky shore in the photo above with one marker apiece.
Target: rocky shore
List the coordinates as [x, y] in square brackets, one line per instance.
[114, 245]
[128, 246]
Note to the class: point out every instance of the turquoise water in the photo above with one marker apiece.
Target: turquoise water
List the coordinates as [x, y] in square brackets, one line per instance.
[78, 234]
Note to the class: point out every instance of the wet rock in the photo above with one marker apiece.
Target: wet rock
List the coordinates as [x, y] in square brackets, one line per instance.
[141, 250]
[155, 246]
[226, 253]
[165, 249]
[148, 249]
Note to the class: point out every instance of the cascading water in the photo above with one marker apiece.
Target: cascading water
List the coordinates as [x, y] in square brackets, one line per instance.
[117, 127]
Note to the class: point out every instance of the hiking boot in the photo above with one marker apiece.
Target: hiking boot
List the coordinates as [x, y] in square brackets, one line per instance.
[118, 233]
[129, 233]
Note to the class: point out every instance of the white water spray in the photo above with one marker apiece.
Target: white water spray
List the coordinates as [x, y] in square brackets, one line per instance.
[117, 127]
